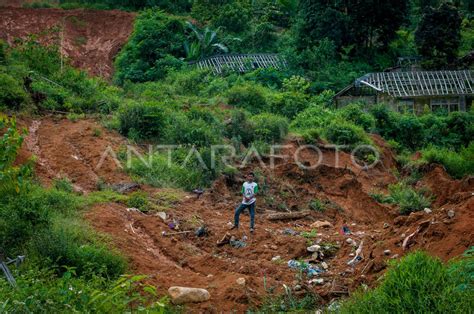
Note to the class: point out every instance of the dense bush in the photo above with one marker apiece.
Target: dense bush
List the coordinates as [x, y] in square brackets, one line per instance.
[315, 116]
[288, 104]
[355, 114]
[342, 132]
[161, 173]
[12, 94]
[64, 247]
[240, 128]
[269, 128]
[251, 97]
[42, 291]
[233, 17]
[419, 283]
[457, 164]
[153, 49]
[142, 120]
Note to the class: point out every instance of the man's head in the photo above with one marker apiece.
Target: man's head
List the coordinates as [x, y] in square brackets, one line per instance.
[250, 177]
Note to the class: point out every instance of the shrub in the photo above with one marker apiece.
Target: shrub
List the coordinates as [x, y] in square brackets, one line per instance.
[180, 129]
[408, 199]
[417, 283]
[11, 176]
[288, 104]
[457, 164]
[153, 49]
[167, 175]
[355, 114]
[315, 116]
[12, 94]
[233, 17]
[41, 290]
[143, 120]
[410, 132]
[342, 132]
[65, 248]
[240, 128]
[311, 136]
[251, 97]
[139, 200]
[269, 127]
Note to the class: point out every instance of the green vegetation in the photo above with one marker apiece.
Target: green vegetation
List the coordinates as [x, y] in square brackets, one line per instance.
[160, 99]
[68, 265]
[419, 283]
[405, 197]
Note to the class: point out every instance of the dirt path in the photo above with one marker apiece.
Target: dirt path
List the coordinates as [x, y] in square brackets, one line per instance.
[89, 38]
[72, 149]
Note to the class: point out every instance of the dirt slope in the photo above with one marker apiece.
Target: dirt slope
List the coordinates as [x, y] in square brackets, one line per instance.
[188, 260]
[89, 38]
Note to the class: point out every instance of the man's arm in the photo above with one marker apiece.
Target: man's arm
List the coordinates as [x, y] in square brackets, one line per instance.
[255, 189]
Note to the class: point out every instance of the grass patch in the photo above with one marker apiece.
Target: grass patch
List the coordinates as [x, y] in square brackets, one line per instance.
[419, 283]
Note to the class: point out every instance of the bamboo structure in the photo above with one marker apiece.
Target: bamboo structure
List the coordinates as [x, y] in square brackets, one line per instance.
[242, 63]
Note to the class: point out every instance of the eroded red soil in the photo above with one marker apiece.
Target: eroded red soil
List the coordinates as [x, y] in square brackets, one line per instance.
[89, 38]
[188, 260]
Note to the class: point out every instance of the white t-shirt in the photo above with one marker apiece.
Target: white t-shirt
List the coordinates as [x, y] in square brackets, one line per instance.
[249, 190]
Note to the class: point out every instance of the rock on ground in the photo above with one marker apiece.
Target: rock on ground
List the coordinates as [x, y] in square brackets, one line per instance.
[182, 295]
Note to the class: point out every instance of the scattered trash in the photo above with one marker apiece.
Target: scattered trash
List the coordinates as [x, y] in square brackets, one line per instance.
[427, 210]
[316, 281]
[201, 231]
[387, 252]
[394, 256]
[182, 295]
[324, 265]
[225, 239]
[351, 242]
[409, 239]
[289, 231]
[358, 255]
[198, 192]
[386, 225]
[172, 225]
[240, 281]
[345, 230]
[276, 258]
[237, 243]
[314, 248]
[321, 224]
[297, 288]
[451, 213]
[134, 210]
[162, 215]
[309, 269]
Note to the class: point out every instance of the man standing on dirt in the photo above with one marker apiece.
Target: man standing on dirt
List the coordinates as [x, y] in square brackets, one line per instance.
[249, 190]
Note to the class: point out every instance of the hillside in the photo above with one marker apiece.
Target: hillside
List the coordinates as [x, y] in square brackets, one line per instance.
[91, 39]
[123, 158]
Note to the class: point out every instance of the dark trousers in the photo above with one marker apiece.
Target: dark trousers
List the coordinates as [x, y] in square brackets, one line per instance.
[240, 209]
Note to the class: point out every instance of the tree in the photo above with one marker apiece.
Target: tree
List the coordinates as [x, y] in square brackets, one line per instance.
[153, 49]
[204, 44]
[364, 24]
[438, 36]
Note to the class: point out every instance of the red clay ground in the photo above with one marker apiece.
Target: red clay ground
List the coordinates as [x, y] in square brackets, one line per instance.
[90, 38]
[198, 262]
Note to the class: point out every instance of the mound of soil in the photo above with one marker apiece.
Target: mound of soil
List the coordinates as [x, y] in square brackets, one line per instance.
[89, 38]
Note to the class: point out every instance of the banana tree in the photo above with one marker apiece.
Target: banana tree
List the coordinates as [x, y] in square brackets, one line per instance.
[204, 43]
